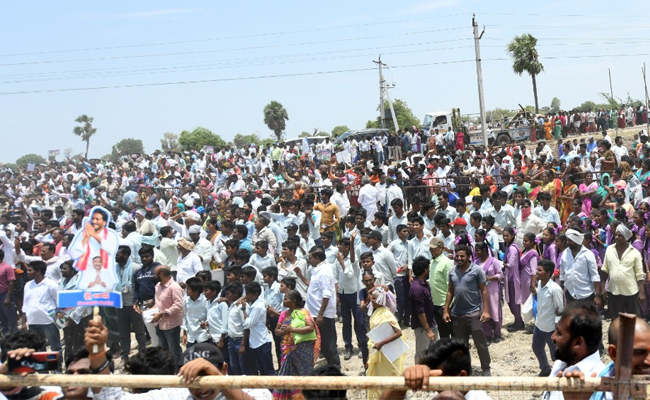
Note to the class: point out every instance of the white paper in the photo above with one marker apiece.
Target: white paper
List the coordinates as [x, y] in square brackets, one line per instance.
[30, 167]
[343, 157]
[392, 350]
[147, 315]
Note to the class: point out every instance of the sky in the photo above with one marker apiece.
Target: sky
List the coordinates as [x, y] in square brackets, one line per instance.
[149, 67]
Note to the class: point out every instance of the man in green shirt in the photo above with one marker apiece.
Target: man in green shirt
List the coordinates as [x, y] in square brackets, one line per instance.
[438, 281]
[276, 154]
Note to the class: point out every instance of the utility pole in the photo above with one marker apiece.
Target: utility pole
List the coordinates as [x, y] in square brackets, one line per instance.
[646, 101]
[479, 78]
[611, 93]
[383, 91]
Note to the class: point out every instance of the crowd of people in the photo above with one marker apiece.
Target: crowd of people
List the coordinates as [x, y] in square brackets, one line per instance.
[251, 257]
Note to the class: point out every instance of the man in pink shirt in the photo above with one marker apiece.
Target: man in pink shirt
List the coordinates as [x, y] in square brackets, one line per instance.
[169, 302]
[7, 310]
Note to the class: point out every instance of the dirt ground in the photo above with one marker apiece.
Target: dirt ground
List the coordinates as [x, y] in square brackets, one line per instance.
[513, 356]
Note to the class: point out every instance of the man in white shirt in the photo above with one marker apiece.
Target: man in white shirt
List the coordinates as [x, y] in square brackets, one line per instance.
[368, 197]
[188, 263]
[202, 247]
[577, 351]
[578, 270]
[40, 304]
[321, 303]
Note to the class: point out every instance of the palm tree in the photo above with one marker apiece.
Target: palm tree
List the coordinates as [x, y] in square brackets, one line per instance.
[276, 117]
[86, 130]
[526, 59]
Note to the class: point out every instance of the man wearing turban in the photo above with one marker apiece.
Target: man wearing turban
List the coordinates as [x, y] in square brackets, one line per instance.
[579, 271]
[624, 266]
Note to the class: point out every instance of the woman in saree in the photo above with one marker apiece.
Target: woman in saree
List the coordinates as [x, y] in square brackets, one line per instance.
[568, 195]
[548, 186]
[300, 342]
[493, 271]
[381, 310]
[587, 189]
[617, 179]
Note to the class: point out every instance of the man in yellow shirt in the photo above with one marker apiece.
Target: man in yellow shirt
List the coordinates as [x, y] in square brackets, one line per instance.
[330, 214]
[624, 266]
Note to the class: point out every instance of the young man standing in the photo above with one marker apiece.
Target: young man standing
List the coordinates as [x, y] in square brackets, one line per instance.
[422, 311]
[550, 305]
[169, 301]
[470, 309]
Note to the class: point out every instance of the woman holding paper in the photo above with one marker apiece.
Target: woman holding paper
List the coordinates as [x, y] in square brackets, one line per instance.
[300, 342]
[381, 310]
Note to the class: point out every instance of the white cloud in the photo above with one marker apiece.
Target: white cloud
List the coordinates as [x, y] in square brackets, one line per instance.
[158, 13]
[422, 8]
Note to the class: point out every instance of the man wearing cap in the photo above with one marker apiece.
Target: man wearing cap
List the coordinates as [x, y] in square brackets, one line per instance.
[188, 263]
[623, 265]
[201, 360]
[439, 283]
[578, 270]
[202, 247]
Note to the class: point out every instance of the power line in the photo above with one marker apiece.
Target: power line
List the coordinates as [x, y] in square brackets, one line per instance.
[217, 62]
[222, 79]
[219, 66]
[223, 50]
[229, 37]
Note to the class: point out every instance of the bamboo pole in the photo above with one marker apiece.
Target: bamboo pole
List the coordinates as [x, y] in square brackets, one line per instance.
[624, 352]
[307, 382]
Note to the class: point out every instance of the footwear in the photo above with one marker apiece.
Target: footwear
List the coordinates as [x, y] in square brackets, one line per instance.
[348, 354]
[486, 372]
[497, 339]
[489, 341]
[515, 328]
[545, 372]
[360, 354]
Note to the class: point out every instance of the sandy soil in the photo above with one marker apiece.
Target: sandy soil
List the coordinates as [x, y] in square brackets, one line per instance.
[513, 356]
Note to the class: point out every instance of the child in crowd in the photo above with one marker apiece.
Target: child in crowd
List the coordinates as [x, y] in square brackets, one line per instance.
[306, 242]
[194, 314]
[217, 321]
[379, 223]
[256, 339]
[260, 258]
[273, 298]
[235, 327]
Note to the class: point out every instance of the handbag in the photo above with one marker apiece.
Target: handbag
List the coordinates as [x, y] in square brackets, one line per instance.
[298, 321]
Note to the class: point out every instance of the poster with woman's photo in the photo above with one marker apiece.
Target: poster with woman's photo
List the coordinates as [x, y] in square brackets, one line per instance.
[93, 251]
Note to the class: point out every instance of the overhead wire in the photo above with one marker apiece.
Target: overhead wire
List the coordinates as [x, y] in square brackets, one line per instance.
[139, 56]
[233, 37]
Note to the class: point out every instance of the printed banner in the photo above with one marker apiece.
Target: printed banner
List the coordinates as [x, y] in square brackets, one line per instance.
[54, 153]
[93, 250]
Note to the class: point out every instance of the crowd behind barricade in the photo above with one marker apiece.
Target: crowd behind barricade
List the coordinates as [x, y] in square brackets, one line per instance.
[246, 254]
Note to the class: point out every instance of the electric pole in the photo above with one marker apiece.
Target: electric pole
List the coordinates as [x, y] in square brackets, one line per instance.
[479, 78]
[383, 91]
[645, 83]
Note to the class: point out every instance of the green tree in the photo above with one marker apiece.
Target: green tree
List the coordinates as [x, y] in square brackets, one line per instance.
[169, 142]
[30, 158]
[86, 130]
[339, 130]
[200, 137]
[586, 106]
[276, 117]
[127, 147]
[242, 141]
[555, 105]
[526, 59]
[305, 134]
[403, 113]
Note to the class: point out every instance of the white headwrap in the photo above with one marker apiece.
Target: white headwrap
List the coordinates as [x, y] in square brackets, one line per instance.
[623, 230]
[385, 299]
[575, 236]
